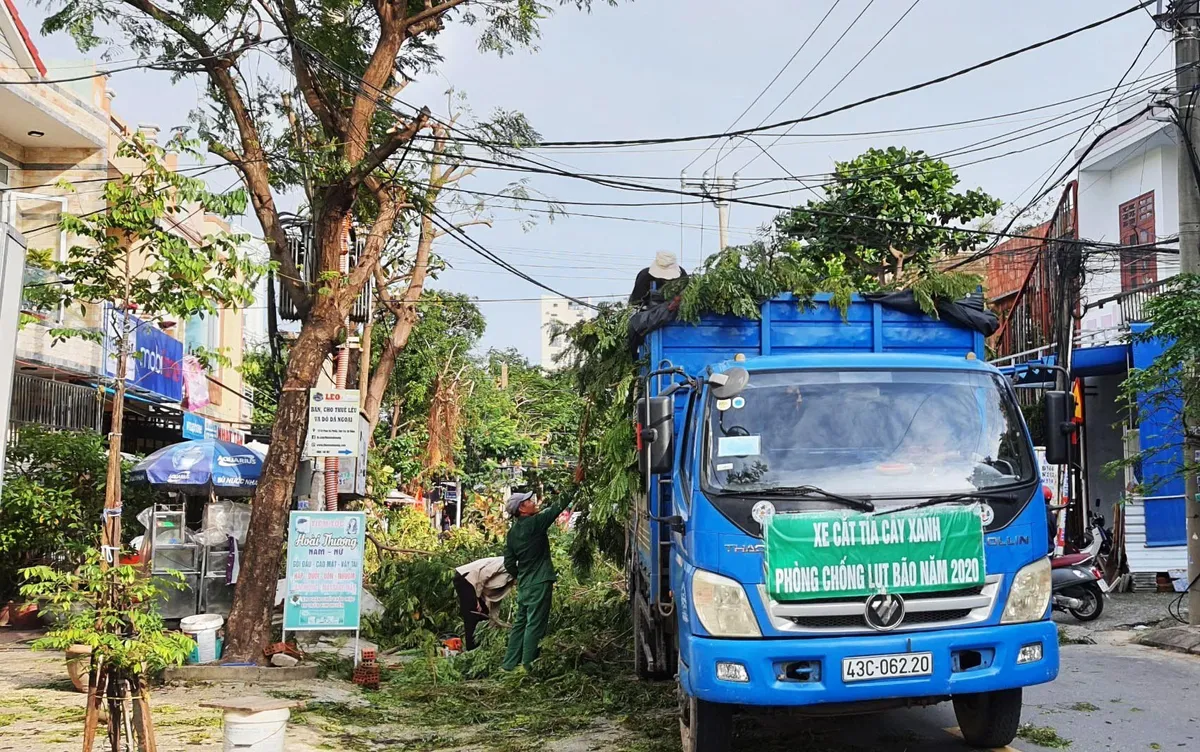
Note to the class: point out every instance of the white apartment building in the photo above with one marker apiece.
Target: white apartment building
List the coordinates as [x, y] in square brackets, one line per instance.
[557, 311]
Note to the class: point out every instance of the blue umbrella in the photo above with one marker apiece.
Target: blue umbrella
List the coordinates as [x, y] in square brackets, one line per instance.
[197, 467]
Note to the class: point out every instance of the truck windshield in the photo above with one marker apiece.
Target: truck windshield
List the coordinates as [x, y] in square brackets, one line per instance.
[868, 433]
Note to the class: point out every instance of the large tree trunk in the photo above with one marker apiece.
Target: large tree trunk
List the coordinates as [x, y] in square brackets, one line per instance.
[249, 628]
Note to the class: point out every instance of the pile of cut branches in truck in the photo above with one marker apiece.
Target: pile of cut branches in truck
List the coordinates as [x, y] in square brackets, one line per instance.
[890, 221]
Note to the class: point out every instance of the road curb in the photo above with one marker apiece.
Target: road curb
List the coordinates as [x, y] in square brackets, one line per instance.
[1181, 639]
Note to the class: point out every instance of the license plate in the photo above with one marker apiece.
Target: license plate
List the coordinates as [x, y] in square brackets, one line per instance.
[867, 667]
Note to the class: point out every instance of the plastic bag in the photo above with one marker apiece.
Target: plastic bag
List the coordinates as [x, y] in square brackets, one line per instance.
[222, 520]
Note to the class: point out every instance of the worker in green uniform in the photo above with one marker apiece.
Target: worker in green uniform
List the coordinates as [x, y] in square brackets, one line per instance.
[527, 557]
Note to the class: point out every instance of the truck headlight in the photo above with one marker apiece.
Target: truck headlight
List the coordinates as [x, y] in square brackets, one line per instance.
[722, 606]
[1029, 595]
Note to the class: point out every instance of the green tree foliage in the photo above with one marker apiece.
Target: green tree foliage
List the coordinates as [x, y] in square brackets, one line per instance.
[1171, 383]
[264, 372]
[51, 501]
[133, 252]
[835, 245]
[843, 230]
[111, 610]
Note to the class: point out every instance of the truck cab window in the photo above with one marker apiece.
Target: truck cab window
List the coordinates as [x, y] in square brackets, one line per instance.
[869, 433]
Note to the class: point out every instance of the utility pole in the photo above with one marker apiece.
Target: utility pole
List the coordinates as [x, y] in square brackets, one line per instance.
[1185, 23]
[717, 190]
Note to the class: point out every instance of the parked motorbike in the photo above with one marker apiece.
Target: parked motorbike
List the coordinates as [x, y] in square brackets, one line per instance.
[1077, 586]
[1098, 540]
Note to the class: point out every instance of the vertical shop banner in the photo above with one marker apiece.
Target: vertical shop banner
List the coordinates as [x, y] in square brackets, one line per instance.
[324, 570]
[817, 555]
[333, 426]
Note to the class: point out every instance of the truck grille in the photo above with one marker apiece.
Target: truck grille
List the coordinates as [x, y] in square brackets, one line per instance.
[953, 608]
[843, 622]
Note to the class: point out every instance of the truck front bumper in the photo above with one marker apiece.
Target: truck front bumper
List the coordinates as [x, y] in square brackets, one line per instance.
[808, 671]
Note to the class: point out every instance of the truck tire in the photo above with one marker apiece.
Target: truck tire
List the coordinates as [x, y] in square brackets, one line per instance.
[704, 726]
[989, 719]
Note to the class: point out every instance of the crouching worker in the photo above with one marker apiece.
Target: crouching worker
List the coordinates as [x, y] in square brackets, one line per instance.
[527, 557]
[480, 585]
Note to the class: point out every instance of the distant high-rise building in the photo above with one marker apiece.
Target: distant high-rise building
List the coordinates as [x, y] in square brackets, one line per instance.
[557, 310]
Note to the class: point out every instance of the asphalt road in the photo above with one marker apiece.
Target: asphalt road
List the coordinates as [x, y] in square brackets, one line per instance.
[1108, 696]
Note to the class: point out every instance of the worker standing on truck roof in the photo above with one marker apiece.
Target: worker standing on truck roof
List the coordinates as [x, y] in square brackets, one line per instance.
[527, 557]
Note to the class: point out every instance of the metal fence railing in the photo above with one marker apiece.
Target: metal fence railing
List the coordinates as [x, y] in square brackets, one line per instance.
[55, 405]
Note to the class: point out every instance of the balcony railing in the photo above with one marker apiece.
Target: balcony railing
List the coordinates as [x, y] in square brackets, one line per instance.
[54, 404]
[1131, 302]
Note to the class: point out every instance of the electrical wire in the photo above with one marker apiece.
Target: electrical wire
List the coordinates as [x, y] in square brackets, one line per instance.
[475, 246]
[858, 103]
[165, 65]
[816, 65]
[771, 83]
[840, 81]
[1047, 187]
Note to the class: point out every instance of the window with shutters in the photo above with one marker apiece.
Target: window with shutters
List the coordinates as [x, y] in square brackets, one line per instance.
[1139, 264]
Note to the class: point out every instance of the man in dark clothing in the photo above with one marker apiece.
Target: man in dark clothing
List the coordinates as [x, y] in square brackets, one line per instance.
[527, 557]
[651, 279]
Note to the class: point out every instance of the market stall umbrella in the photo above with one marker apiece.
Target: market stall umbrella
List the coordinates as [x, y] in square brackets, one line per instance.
[198, 467]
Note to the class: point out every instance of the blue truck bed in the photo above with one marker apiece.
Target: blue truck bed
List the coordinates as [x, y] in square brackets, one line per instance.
[786, 328]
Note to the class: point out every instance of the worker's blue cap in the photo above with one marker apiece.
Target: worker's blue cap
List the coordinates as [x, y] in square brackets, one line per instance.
[515, 501]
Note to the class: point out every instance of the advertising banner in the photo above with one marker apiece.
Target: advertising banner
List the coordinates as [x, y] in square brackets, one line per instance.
[333, 429]
[155, 358]
[837, 554]
[324, 570]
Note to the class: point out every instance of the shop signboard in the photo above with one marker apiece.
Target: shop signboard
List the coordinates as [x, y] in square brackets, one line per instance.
[193, 426]
[333, 424]
[155, 358]
[324, 570]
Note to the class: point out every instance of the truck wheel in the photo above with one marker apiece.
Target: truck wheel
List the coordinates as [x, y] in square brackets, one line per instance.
[989, 719]
[704, 726]
[1093, 602]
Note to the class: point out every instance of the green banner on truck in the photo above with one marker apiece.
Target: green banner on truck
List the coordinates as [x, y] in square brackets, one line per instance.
[821, 555]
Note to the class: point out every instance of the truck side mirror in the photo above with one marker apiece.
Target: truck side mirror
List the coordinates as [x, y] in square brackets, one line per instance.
[656, 433]
[731, 383]
[1060, 408]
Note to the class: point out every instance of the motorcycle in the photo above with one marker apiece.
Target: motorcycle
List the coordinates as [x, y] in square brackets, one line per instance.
[1077, 586]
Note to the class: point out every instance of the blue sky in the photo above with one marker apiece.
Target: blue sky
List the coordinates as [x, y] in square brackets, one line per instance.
[674, 67]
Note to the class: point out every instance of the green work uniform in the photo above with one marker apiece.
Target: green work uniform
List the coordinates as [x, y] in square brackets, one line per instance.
[527, 557]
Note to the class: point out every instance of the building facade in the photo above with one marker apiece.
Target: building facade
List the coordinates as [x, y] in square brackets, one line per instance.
[558, 312]
[1109, 248]
[51, 133]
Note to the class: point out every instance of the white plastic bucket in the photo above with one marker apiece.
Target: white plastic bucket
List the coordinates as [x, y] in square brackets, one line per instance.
[205, 629]
[256, 732]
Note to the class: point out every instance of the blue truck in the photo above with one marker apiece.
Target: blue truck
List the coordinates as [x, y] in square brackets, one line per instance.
[833, 440]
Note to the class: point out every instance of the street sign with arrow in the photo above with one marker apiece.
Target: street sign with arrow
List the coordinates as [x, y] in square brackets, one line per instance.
[333, 425]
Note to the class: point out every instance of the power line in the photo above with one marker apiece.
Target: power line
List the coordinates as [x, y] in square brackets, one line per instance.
[1047, 186]
[817, 64]
[856, 104]
[165, 65]
[841, 80]
[771, 83]
[475, 246]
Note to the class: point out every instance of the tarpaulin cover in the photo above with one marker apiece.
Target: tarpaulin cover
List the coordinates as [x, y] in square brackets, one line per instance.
[968, 313]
